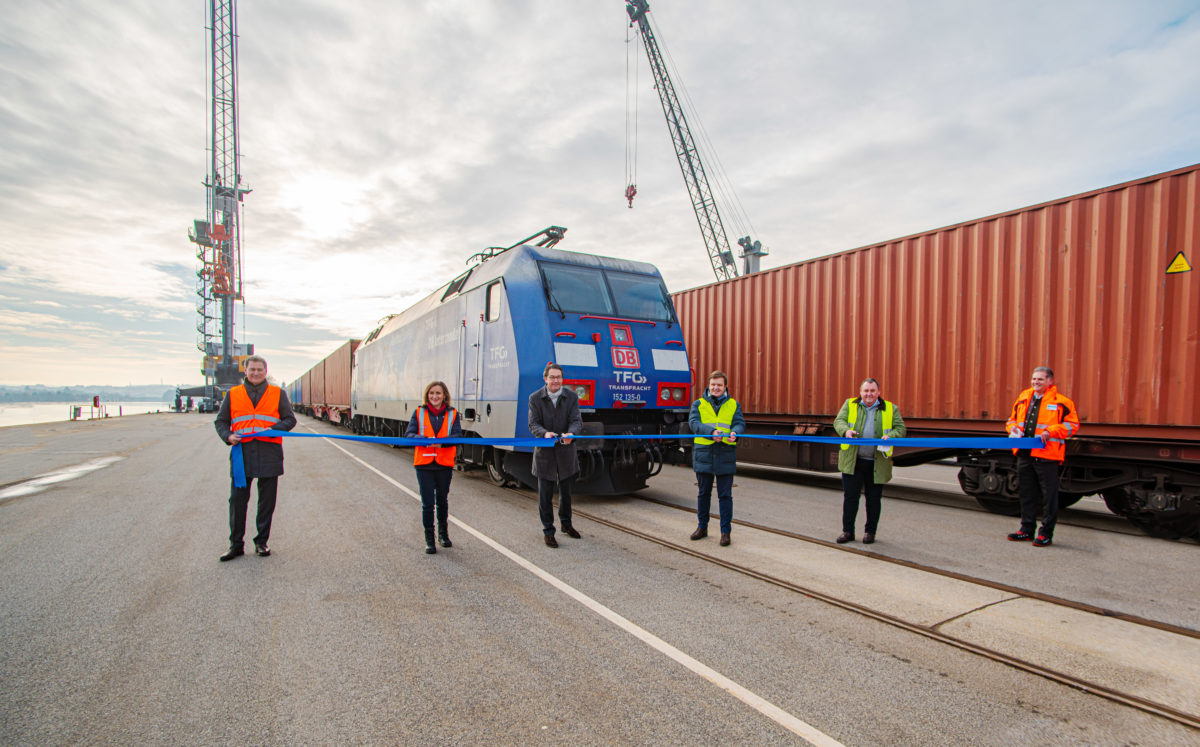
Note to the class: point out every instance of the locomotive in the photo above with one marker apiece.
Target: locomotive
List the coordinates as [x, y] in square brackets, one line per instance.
[490, 332]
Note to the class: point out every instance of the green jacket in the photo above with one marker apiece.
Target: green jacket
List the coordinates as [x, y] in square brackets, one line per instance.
[847, 457]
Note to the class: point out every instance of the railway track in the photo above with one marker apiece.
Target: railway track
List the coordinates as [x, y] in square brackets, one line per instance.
[1103, 520]
[1109, 693]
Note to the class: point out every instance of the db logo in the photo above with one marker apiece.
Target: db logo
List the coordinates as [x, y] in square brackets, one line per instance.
[625, 357]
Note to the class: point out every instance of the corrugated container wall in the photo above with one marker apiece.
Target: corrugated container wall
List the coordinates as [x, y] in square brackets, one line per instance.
[337, 374]
[953, 321]
[318, 384]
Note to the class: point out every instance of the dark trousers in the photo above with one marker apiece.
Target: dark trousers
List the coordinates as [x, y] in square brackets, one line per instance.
[1037, 485]
[239, 499]
[546, 505]
[862, 480]
[435, 487]
[724, 499]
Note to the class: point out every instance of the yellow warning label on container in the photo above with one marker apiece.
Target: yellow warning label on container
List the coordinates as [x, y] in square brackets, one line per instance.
[1179, 264]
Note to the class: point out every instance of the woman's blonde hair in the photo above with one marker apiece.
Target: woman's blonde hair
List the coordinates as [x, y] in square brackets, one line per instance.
[445, 391]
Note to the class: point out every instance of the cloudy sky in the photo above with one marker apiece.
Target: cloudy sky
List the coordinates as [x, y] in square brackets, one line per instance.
[387, 140]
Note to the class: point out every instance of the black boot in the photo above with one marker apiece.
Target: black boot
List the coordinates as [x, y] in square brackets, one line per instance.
[443, 537]
[430, 548]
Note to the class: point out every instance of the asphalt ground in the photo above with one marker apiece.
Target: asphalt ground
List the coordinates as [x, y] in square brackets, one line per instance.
[120, 626]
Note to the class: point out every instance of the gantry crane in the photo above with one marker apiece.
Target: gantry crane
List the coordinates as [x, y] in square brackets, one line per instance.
[705, 207]
[217, 236]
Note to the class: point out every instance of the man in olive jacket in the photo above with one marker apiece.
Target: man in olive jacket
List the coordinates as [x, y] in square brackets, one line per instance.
[554, 414]
[865, 416]
[717, 419]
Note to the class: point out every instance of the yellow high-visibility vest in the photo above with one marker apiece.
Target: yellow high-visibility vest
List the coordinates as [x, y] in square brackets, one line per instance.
[887, 422]
[722, 420]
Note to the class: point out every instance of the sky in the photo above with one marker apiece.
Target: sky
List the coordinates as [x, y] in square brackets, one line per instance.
[388, 140]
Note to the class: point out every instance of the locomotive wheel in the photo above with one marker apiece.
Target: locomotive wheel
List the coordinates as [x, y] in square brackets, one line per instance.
[495, 471]
[495, 474]
[998, 504]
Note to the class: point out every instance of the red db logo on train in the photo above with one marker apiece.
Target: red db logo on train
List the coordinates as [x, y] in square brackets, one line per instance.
[625, 357]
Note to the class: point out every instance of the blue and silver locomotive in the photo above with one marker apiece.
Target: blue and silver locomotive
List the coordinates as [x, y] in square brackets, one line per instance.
[490, 332]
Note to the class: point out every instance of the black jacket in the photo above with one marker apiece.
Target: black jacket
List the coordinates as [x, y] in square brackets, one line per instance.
[560, 461]
[262, 458]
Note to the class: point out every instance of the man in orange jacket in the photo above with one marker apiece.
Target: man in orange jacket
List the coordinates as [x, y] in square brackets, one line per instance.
[1041, 412]
[249, 408]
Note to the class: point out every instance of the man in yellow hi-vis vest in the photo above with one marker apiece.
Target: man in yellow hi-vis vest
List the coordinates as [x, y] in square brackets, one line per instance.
[718, 417]
[865, 467]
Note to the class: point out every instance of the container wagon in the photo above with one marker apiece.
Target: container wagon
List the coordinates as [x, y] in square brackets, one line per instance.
[952, 322]
[330, 385]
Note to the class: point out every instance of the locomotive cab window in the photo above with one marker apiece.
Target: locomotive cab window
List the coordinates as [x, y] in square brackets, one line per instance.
[495, 299]
[640, 296]
[578, 290]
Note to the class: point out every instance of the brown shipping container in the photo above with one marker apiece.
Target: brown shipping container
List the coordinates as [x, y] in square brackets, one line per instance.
[337, 375]
[952, 321]
[306, 389]
[318, 385]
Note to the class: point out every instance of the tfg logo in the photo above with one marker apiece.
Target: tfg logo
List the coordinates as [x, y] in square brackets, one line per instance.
[624, 357]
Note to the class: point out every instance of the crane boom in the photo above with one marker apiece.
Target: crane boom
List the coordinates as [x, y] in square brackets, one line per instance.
[705, 207]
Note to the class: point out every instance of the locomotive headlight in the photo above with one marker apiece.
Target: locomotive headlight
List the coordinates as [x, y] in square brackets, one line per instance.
[666, 395]
[677, 393]
[581, 391]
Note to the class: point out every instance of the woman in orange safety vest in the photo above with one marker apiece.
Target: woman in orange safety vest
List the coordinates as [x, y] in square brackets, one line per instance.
[435, 418]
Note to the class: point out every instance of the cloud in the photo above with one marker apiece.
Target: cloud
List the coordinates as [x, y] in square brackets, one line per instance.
[385, 142]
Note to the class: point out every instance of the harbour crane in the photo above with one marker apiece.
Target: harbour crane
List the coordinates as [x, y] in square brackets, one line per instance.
[218, 236]
[694, 176]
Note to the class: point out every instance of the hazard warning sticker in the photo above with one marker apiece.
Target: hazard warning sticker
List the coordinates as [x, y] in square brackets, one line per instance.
[1179, 264]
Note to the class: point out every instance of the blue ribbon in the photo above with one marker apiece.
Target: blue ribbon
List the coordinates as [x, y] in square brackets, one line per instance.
[977, 442]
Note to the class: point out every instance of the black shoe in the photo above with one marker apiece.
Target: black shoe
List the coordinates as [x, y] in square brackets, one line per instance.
[261, 550]
[1021, 536]
[700, 533]
[869, 538]
[570, 532]
[724, 539]
[1043, 540]
[443, 537]
[430, 548]
[844, 537]
[550, 541]
[233, 552]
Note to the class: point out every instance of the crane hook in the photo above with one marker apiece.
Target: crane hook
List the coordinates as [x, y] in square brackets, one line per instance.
[630, 191]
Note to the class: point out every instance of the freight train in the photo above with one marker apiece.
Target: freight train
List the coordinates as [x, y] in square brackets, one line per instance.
[489, 333]
[952, 321]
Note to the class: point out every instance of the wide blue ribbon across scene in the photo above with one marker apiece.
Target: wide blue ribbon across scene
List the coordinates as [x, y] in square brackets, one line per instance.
[977, 442]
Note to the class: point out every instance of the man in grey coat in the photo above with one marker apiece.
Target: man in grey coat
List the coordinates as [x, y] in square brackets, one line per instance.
[554, 414]
[717, 418]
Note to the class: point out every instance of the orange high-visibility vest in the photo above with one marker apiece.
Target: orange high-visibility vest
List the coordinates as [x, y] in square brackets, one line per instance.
[248, 418]
[1057, 416]
[444, 455]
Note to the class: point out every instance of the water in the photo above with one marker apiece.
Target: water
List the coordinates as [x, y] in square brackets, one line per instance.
[26, 413]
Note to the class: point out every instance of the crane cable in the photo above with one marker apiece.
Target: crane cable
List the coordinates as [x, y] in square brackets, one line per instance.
[631, 84]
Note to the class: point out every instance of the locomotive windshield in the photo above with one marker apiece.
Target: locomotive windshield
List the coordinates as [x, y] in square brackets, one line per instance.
[588, 290]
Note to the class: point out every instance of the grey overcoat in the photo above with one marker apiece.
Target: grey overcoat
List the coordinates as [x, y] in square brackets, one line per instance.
[560, 461]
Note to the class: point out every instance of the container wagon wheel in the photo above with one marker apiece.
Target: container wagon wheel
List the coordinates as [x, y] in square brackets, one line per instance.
[998, 504]
[1068, 499]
